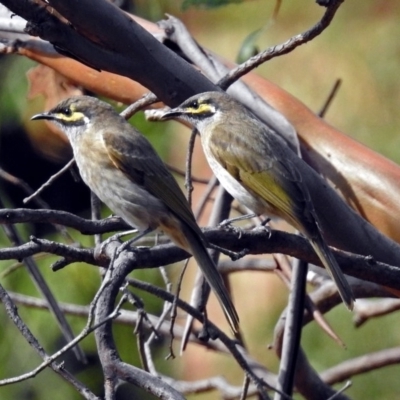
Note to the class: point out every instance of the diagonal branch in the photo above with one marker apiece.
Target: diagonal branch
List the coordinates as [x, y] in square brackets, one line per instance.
[283, 48]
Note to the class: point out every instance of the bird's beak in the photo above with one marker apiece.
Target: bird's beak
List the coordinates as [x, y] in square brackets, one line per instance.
[173, 113]
[42, 116]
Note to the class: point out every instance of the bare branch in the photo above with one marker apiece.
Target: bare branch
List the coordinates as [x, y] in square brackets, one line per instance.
[361, 365]
[283, 48]
[50, 181]
[364, 309]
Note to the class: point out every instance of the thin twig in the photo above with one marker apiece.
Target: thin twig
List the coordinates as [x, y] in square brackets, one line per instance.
[205, 197]
[293, 326]
[340, 391]
[95, 210]
[174, 308]
[245, 388]
[330, 98]
[38, 200]
[283, 48]
[49, 181]
[364, 309]
[361, 365]
[23, 185]
[146, 100]
[189, 156]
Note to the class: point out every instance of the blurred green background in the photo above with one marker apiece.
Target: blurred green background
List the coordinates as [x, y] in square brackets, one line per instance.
[362, 48]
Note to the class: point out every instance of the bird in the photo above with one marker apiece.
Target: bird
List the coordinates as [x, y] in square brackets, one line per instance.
[122, 168]
[258, 169]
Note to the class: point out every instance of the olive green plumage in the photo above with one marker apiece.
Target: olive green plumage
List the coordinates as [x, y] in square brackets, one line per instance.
[257, 168]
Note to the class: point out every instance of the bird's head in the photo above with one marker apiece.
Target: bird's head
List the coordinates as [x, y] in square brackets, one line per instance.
[202, 108]
[76, 114]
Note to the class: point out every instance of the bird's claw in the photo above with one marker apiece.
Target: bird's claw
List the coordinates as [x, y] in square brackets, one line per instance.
[265, 227]
[101, 250]
[227, 224]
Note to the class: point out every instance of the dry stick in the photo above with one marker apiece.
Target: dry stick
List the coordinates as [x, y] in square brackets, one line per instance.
[330, 98]
[153, 335]
[215, 383]
[23, 185]
[189, 157]
[85, 226]
[95, 206]
[171, 309]
[206, 196]
[43, 288]
[293, 326]
[283, 48]
[12, 312]
[361, 365]
[286, 275]
[49, 181]
[245, 388]
[146, 100]
[364, 310]
[340, 391]
[28, 190]
[50, 359]
[174, 308]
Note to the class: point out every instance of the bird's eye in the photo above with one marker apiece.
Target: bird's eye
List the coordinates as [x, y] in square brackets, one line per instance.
[67, 111]
[195, 104]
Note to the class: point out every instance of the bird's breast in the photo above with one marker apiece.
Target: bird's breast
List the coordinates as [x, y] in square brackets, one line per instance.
[113, 187]
[230, 184]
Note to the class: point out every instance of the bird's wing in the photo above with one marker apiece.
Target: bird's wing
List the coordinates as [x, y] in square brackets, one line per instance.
[265, 170]
[134, 155]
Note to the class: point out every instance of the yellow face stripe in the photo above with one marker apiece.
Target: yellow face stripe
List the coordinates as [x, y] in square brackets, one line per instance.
[74, 117]
[201, 109]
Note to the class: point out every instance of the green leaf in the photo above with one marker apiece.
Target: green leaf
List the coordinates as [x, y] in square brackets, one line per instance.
[249, 48]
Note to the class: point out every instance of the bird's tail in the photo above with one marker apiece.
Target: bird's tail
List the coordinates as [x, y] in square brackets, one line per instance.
[328, 260]
[199, 251]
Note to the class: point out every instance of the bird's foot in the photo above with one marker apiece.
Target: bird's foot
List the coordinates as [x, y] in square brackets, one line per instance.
[265, 227]
[227, 223]
[116, 237]
[233, 255]
[101, 251]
